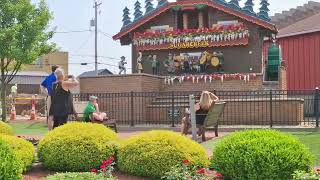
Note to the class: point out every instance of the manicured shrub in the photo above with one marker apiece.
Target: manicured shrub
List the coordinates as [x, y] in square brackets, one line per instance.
[77, 147]
[260, 154]
[10, 165]
[5, 128]
[77, 176]
[303, 175]
[23, 149]
[153, 153]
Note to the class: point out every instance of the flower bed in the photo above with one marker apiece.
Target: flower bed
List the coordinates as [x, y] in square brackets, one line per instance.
[219, 35]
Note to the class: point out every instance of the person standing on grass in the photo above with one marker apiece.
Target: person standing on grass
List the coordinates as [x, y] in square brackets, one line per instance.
[61, 106]
[46, 87]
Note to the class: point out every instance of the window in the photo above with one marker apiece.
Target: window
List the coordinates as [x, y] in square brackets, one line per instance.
[163, 28]
[227, 22]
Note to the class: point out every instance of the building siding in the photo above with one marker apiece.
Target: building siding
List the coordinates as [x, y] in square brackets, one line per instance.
[302, 56]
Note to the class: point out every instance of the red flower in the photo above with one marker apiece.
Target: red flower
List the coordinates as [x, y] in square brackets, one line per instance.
[318, 170]
[218, 175]
[186, 162]
[93, 170]
[111, 158]
[103, 166]
[201, 171]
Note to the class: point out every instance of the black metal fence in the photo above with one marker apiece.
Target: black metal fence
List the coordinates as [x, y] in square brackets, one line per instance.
[261, 108]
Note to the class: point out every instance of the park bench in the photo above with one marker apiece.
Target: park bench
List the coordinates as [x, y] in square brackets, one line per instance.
[79, 107]
[212, 119]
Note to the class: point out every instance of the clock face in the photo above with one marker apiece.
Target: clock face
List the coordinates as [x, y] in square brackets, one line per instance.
[215, 61]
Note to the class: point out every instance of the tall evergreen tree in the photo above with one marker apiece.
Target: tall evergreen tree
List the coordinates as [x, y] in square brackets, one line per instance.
[234, 4]
[162, 2]
[223, 2]
[149, 6]
[126, 18]
[264, 10]
[137, 11]
[248, 8]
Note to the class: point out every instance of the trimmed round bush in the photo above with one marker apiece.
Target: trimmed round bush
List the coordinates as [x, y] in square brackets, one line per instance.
[77, 147]
[153, 153]
[23, 149]
[260, 154]
[77, 176]
[10, 165]
[5, 128]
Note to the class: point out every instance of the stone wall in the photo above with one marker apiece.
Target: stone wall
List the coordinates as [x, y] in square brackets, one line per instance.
[121, 83]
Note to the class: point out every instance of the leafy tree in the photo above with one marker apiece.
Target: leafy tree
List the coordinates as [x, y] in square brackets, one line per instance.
[23, 38]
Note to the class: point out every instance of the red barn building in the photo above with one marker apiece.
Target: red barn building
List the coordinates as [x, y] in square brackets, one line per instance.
[299, 37]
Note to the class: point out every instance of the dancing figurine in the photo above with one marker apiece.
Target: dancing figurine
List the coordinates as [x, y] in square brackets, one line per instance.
[139, 63]
[122, 68]
[155, 65]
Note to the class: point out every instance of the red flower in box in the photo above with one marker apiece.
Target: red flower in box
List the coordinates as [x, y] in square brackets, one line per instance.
[186, 162]
[201, 171]
[93, 170]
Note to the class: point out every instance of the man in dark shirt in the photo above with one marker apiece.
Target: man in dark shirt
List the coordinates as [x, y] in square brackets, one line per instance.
[47, 85]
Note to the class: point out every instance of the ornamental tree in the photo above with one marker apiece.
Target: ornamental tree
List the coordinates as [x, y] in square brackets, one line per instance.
[264, 10]
[23, 38]
[137, 11]
[234, 4]
[126, 18]
[149, 6]
[162, 2]
[248, 8]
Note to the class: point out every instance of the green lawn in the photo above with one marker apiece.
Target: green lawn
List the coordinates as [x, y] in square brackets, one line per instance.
[29, 129]
[311, 139]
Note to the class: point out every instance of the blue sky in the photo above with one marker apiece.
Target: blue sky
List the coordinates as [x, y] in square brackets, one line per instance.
[75, 15]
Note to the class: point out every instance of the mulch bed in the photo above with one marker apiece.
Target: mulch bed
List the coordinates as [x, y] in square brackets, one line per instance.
[39, 173]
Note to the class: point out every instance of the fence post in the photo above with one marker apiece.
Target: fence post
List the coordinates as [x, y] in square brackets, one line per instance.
[316, 106]
[271, 113]
[131, 102]
[193, 117]
[172, 109]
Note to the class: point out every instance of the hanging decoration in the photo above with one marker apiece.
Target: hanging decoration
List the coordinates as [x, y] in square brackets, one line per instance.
[169, 80]
[218, 35]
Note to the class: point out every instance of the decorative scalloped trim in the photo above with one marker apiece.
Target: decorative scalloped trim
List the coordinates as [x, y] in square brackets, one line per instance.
[216, 5]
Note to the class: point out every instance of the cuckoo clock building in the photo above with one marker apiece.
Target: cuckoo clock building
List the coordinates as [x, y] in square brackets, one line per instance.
[196, 45]
[196, 36]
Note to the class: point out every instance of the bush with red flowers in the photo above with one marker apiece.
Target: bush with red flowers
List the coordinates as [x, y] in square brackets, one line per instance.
[185, 171]
[152, 154]
[77, 147]
[106, 168]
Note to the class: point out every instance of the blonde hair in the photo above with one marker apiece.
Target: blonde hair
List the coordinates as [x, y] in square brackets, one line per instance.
[206, 99]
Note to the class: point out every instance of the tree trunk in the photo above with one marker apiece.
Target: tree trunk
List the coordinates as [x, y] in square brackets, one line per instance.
[3, 102]
[3, 88]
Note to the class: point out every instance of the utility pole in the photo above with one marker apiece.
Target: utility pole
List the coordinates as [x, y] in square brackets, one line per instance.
[96, 5]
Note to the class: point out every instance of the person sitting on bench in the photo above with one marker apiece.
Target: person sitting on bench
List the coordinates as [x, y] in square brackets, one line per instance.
[207, 100]
[91, 112]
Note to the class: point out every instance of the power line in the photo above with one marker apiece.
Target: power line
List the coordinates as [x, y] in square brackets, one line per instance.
[87, 55]
[84, 43]
[75, 31]
[105, 34]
